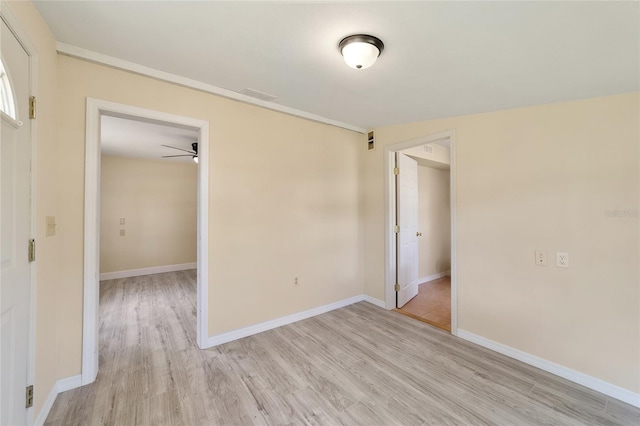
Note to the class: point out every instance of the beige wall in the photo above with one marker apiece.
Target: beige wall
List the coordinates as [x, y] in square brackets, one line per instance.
[49, 248]
[158, 200]
[434, 221]
[539, 178]
[283, 202]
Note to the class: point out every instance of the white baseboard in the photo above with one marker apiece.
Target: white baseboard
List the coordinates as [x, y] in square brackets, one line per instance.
[590, 382]
[146, 271]
[48, 404]
[433, 277]
[61, 385]
[69, 383]
[379, 303]
[278, 322]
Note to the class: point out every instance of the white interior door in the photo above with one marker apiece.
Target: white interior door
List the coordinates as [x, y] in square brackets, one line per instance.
[15, 178]
[407, 219]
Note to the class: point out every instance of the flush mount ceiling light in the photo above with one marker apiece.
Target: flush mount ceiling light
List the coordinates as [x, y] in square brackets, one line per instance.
[360, 51]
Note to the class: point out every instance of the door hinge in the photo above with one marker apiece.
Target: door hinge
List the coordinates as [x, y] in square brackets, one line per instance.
[32, 107]
[396, 171]
[396, 287]
[396, 229]
[29, 396]
[32, 250]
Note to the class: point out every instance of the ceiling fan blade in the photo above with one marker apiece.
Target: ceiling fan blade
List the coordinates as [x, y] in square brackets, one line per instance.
[170, 156]
[190, 152]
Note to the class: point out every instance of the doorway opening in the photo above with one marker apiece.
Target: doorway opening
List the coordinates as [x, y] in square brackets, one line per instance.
[97, 112]
[421, 229]
[148, 213]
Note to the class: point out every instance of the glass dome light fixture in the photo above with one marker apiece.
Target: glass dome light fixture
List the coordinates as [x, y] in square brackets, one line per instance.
[360, 51]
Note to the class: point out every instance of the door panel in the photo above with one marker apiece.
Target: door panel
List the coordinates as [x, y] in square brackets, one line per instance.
[15, 213]
[407, 219]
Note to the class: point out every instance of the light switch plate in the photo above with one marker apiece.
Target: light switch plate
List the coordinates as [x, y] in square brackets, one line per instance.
[122, 232]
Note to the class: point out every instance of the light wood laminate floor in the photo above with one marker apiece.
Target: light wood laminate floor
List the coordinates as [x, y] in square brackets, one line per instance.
[359, 365]
[432, 304]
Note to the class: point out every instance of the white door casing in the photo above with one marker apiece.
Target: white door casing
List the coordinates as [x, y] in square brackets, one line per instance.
[390, 218]
[15, 232]
[407, 238]
[95, 109]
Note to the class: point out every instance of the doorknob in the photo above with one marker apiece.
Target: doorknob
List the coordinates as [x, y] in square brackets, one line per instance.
[418, 234]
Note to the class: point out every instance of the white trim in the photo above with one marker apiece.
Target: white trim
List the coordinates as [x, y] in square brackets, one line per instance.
[23, 37]
[590, 382]
[69, 383]
[453, 191]
[146, 271]
[88, 55]
[389, 220]
[10, 120]
[46, 407]
[433, 277]
[379, 303]
[202, 223]
[95, 109]
[279, 322]
[60, 386]
[91, 244]
[389, 223]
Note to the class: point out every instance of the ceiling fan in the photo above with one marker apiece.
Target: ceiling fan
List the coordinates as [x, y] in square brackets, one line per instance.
[193, 154]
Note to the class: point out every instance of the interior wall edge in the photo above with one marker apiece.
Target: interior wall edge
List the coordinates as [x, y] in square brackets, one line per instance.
[377, 302]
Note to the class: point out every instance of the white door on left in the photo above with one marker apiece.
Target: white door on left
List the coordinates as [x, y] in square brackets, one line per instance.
[15, 223]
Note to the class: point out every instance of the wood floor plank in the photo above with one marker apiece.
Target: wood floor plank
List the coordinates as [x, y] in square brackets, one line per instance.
[622, 413]
[311, 408]
[362, 414]
[232, 401]
[355, 365]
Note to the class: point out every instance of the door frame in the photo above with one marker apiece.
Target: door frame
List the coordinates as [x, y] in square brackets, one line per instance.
[96, 108]
[22, 36]
[390, 218]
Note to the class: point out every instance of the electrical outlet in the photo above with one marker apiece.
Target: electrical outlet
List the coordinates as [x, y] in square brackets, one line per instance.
[122, 221]
[296, 283]
[562, 260]
[541, 258]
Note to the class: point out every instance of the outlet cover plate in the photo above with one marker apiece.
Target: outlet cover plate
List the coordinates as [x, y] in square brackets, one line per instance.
[562, 259]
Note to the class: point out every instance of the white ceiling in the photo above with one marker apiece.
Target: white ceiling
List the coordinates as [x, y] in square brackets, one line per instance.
[441, 58]
[131, 138]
